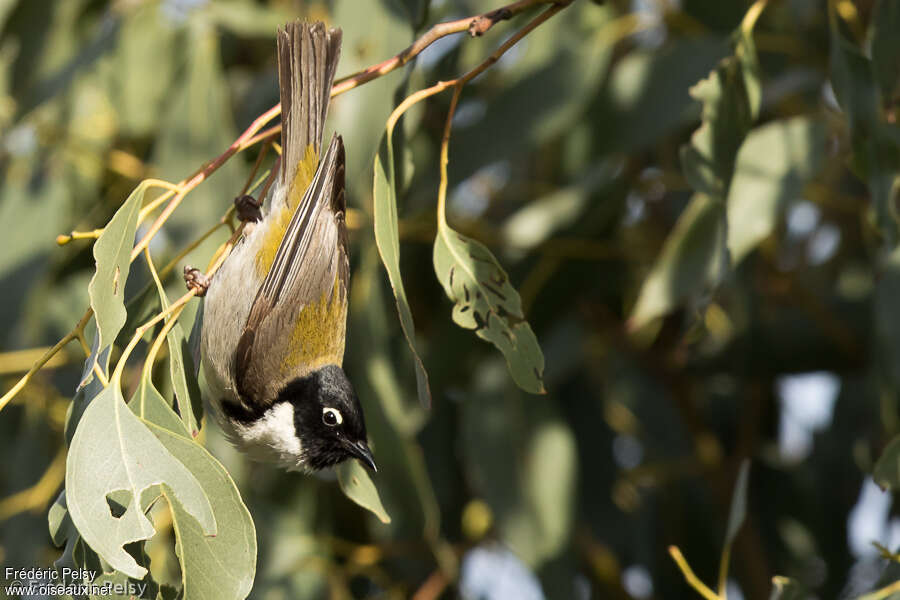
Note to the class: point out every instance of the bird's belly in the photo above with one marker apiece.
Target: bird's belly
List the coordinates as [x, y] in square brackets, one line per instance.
[225, 310]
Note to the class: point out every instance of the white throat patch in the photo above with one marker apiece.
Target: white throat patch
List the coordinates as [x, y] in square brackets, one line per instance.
[272, 437]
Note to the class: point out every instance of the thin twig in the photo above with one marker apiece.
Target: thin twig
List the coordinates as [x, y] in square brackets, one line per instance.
[882, 593]
[689, 576]
[79, 327]
[476, 25]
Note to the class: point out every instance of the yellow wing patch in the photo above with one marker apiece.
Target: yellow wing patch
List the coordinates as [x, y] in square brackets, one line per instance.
[281, 217]
[318, 334]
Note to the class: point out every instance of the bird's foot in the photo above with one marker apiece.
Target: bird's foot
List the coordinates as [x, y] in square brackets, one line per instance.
[194, 279]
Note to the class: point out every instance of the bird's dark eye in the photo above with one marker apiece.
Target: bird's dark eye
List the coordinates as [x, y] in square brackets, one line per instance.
[332, 417]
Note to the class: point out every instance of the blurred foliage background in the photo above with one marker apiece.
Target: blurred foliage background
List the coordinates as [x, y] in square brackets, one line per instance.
[564, 160]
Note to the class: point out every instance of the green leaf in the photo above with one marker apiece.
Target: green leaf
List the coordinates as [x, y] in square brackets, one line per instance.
[738, 512]
[387, 238]
[549, 486]
[112, 253]
[691, 260]
[247, 19]
[148, 404]
[886, 47]
[729, 109]
[695, 256]
[358, 486]
[887, 470]
[181, 369]
[147, 43]
[187, 392]
[773, 165]
[485, 300]
[112, 452]
[876, 151]
[216, 567]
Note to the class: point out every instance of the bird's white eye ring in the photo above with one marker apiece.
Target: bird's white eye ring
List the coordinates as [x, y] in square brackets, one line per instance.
[332, 417]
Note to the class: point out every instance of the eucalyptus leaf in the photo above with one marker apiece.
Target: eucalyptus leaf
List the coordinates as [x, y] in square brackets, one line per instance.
[147, 44]
[887, 470]
[731, 98]
[187, 392]
[773, 166]
[738, 512]
[148, 404]
[387, 238]
[485, 300]
[112, 452]
[112, 253]
[886, 47]
[689, 261]
[876, 151]
[359, 487]
[217, 567]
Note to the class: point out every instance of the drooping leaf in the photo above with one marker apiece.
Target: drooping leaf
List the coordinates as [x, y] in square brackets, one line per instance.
[387, 238]
[774, 163]
[216, 567]
[112, 452]
[886, 47]
[147, 43]
[695, 257]
[148, 404]
[690, 260]
[112, 253]
[876, 143]
[359, 487]
[248, 19]
[887, 470]
[738, 511]
[486, 301]
[181, 370]
[730, 97]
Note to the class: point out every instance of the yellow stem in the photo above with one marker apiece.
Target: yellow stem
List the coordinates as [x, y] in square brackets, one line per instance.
[882, 593]
[79, 327]
[39, 495]
[18, 361]
[689, 576]
[723, 572]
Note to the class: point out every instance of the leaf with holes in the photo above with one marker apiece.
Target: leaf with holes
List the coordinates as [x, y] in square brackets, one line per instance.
[359, 487]
[387, 239]
[113, 454]
[215, 567]
[487, 302]
[112, 254]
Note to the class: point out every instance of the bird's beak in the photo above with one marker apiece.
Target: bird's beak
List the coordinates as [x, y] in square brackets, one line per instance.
[361, 451]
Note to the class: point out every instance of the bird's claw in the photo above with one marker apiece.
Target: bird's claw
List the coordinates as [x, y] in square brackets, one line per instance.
[195, 279]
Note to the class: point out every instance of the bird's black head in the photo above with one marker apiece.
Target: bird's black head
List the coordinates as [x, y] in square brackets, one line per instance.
[328, 419]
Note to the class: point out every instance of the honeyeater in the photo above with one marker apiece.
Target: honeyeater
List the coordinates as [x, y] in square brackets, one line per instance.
[275, 313]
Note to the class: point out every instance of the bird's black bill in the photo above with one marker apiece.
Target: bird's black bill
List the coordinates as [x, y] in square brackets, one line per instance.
[361, 451]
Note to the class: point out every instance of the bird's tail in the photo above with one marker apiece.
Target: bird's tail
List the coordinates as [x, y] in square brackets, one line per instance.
[308, 54]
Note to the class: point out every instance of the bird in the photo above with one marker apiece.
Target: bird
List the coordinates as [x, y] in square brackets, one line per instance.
[275, 313]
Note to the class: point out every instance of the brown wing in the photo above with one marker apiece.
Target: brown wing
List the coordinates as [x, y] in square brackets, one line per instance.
[298, 319]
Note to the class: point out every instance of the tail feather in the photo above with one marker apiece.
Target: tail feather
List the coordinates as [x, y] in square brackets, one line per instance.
[308, 54]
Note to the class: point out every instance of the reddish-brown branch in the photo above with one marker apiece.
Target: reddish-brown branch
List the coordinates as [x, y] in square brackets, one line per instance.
[476, 25]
